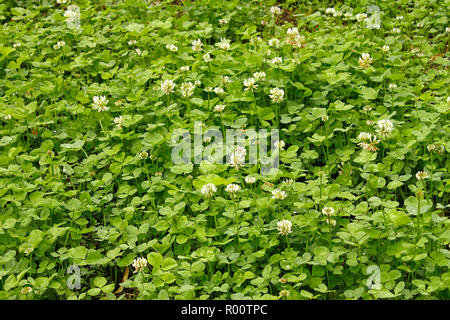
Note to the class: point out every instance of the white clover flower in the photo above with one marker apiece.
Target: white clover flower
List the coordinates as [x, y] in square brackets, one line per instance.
[167, 86]
[363, 136]
[250, 180]
[139, 264]
[385, 127]
[224, 44]
[218, 90]
[331, 11]
[197, 83]
[279, 194]
[172, 47]
[337, 14]
[331, 221]
[132, 42]
[72, 15]
[421, 175]
[284, 293]
[219, 108]
[264, 22]
[207, 57]
[232, 188]
[8, 117]
[100, 103]
[348, 15]
[369, 143]
[324, 118]
[294, 38]
[361, 17]
[225, 80]
[399, 17]
[118, 122]
[276, 94]
[328, 211]
[184, 69]
[26, 290]
[420, 24]
[138, 51]
[284, 227]
[209, 89]
[277, 60]
[395, 30]
[143, 155]
[386, 48]
[259, 76]
[250, 84]
[28, 251]
[187, 89]
[367, 108]
[275, 10]
[223, 21]
[279, 144]
[16, 45]
[208, 189]
[59, 45]
[392, 86]
[197, 45]
[237, 159]
[273, 43]
[365, 60]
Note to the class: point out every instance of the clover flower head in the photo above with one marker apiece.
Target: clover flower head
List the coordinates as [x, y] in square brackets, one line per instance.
[139, 264]
[328, 211]
[392, 86]
[284, 293]
[284, 227]
[8, 117]
[225, 80]
[218, 90]
[118, 122]
[224, 44]
[223, 21]
[361, 17]
[279, 144]
[386, 48]
[277, 60]
[26, 290]
[59, 45]
[100, 103]
[184, 69]
[276, 94]
[385, 127]
[250, 84]
[279, 194]
[365, 60]
[208, 189]
[232, 188]
[396, 30]
[273, 43]
[275, 10]
[421, 175]
[167, 86]
[331, 11]
[187, 89]
[219, 108]
[250, 179]
[172, 47]
[197, 45]
[237, 159]
[259, 76]
[143, 155]
[207, 57]
[132, 42]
